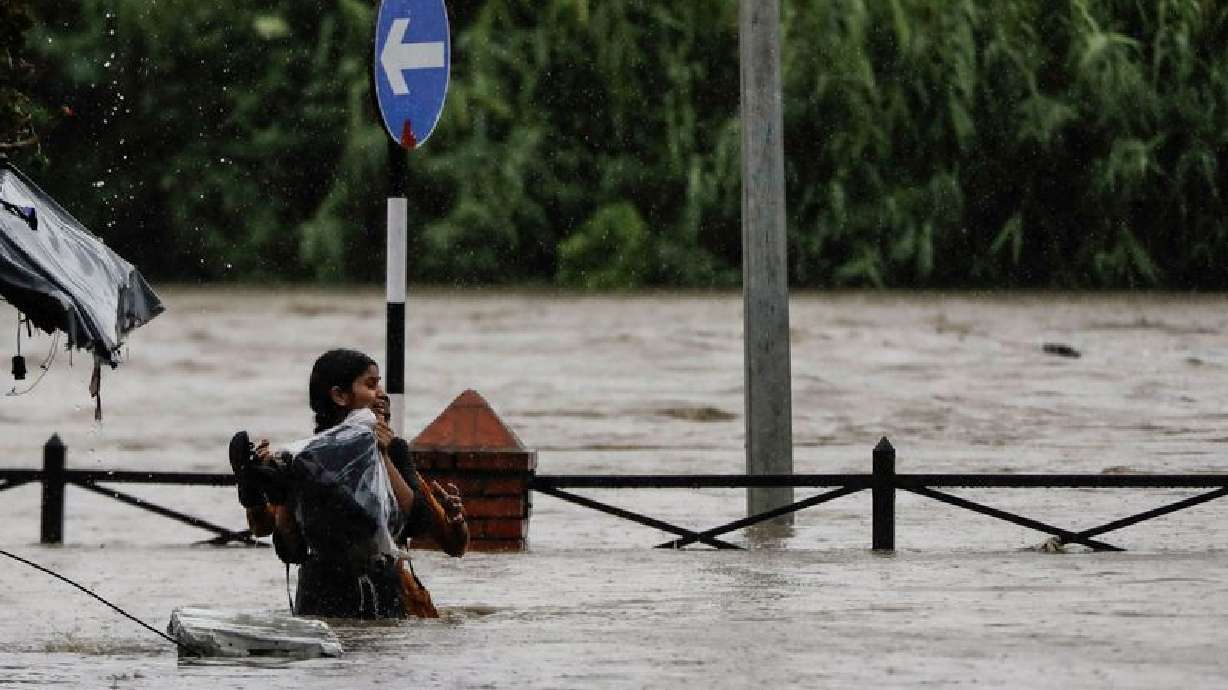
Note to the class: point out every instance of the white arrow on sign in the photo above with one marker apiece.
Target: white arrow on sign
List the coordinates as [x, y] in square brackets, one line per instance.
[398, 56]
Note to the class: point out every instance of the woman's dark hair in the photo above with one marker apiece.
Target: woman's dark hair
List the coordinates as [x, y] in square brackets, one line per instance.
[340, 368]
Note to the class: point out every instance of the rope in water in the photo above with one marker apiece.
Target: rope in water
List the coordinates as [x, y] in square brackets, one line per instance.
[184, 648]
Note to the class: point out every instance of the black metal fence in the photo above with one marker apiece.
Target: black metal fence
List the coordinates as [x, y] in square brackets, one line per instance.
[55, 477]
[883, 482]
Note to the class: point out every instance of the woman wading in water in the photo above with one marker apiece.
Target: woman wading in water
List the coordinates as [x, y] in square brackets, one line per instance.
[351, 565]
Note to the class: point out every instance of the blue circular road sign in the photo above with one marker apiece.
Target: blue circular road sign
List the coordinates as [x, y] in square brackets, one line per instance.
[413, 58]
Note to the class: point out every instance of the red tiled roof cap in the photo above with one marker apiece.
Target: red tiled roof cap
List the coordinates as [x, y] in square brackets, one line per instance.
[467, 424]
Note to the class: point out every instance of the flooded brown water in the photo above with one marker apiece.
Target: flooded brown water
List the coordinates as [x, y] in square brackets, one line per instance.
[653, 384]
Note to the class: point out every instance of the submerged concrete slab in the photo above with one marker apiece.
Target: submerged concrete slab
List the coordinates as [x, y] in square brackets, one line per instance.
[218, 632]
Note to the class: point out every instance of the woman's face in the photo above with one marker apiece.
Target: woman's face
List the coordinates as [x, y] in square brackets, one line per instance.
[365, 391]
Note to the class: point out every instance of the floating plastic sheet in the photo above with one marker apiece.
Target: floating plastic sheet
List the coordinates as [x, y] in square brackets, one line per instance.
[345, 504]
[63, 277]
[216, 632]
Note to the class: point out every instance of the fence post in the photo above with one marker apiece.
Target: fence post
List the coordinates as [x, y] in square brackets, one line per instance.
[53, 491]
[883, 491]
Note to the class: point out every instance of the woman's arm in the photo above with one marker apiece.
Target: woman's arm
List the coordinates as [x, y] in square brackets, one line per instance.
[261, 520]
[444, 510]
[400, 489]
[287, 538]
[448, 525]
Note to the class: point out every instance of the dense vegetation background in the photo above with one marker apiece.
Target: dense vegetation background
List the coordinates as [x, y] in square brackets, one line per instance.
[594, 143]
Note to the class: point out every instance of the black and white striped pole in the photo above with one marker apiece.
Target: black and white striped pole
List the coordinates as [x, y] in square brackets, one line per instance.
[411, 66]
[397, 260]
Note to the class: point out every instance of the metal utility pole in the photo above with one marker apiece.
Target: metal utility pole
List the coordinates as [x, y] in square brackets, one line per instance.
[765, 289]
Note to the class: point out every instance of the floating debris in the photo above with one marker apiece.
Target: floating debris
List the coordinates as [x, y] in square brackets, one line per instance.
[1051, 545]
[213, 632]
[697, 414]
[1062, 350]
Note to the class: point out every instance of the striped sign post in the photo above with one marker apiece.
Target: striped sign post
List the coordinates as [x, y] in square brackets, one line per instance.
[411, 65]
[394, 374]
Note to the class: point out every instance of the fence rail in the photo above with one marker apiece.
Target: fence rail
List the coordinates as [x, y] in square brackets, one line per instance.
[866, 481]
[883, 483]
[55, 477]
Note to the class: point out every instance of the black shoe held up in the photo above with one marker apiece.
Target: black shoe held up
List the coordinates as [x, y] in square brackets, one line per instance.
[242, 462]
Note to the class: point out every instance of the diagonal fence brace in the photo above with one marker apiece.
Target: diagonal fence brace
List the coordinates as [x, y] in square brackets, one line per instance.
[1064, 535]
[634, 517]
[1154, 513]
[224, 535]
[244, 536]
[760, 517]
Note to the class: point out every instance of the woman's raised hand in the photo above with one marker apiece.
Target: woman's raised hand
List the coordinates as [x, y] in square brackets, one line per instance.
[450, 499]
[383, 434]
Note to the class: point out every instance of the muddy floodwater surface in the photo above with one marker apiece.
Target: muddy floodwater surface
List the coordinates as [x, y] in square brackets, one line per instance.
[653, 384]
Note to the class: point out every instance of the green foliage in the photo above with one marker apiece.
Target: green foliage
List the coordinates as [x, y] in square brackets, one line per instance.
[217, 130]
[562, 111]
[19, 113]
[596, 144]
[611, 250]
[1007, 142]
